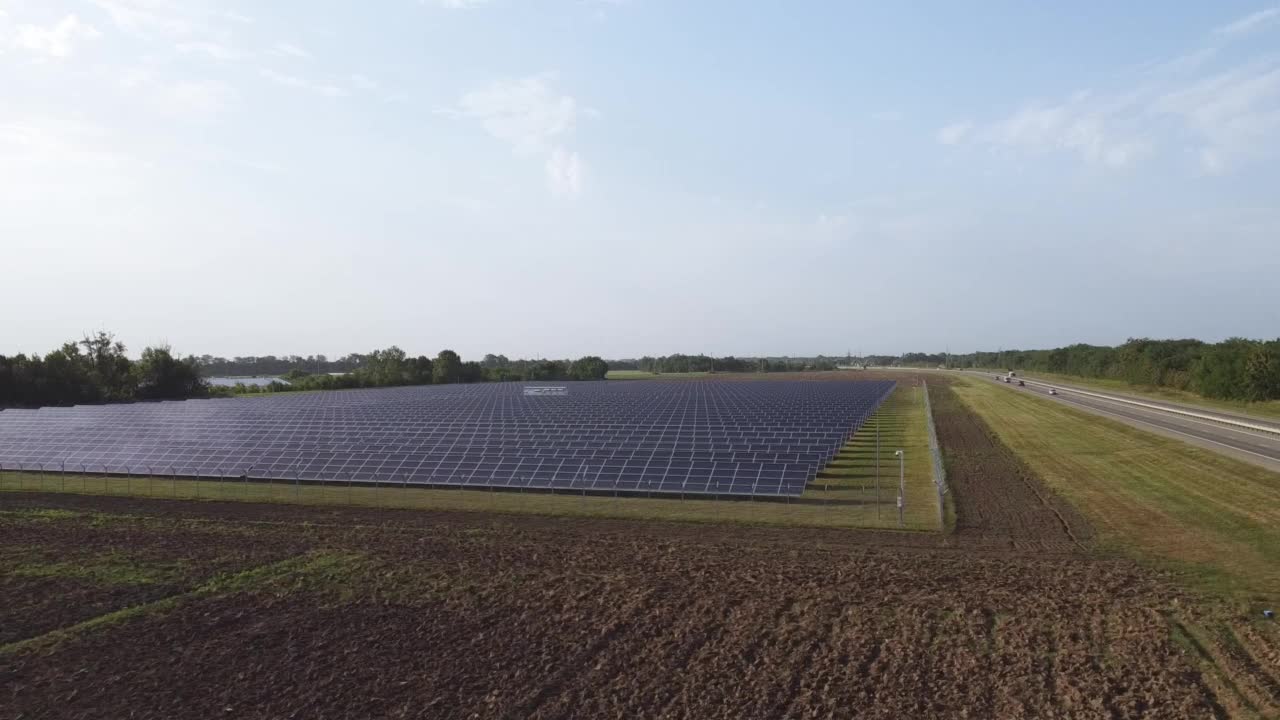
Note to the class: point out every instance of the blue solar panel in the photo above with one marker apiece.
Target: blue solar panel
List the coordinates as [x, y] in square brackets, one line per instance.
[767, 437]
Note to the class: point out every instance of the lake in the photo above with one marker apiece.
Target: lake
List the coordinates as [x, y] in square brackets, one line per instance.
[231, 381]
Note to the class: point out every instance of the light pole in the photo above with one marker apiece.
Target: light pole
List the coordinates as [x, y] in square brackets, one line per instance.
[902, 484]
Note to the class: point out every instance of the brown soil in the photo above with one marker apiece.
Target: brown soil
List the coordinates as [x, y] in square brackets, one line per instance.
[456, 616]
[998, 499]
[37, 605]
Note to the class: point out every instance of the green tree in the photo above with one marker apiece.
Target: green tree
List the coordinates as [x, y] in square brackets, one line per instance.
[1262, 373]
[588, 368]
[1220, 371]
[472, 372]
[447, 368]
[386, 367]
[547, 370]
[66, 377]
[159, 375]
[420, 370]
[111, 369]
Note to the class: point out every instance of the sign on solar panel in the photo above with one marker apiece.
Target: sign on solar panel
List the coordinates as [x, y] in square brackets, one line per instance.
[540, 390]
[753, 438]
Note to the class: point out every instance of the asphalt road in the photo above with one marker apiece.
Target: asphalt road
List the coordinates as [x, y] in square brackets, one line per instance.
[1259, 448]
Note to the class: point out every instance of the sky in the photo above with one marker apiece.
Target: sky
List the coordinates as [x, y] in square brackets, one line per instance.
[627, 177]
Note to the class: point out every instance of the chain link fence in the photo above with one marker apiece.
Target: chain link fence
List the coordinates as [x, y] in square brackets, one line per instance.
[935, 451]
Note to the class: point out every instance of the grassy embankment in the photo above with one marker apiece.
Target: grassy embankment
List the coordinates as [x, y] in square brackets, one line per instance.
[1213, 520]
[844, 495]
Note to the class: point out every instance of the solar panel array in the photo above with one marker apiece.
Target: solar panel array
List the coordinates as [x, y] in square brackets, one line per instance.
[766, 437]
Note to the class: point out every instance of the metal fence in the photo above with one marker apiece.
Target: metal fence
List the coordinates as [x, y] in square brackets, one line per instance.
[935, 451]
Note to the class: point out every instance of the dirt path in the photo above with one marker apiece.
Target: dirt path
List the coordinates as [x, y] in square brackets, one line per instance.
[998, 500]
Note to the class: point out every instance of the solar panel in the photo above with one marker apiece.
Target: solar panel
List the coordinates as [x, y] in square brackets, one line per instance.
[759, 438]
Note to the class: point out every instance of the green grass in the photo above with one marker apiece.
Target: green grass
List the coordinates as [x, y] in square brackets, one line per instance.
[1213, 519]
[646, 375]
[1265, 410]
[41, 515]
[844, 495]
[110, 569]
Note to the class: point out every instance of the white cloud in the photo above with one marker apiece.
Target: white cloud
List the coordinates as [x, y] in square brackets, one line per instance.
[533, 118]
[1212, 161]
[188, 99]
[361, 82]
[954, 133]
[526, 113]
[297, 82]
[201, 99]
[456, 4]
[217, 51]
[831, 230]
[171, 19]
[145, 17]
[1081, 125]
[564, 172]
[1222, 117]
[1095, 128]
[1235, 114]
[57, 41]
[41, 153]
[1249, 23]
[290, 50]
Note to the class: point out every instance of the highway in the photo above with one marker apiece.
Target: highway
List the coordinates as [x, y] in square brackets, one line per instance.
[1212, 430]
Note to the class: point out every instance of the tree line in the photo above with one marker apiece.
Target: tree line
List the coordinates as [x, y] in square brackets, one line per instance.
[705, 363]
[1234, 369]
[97, 369]
[393, 367]
[271, 365]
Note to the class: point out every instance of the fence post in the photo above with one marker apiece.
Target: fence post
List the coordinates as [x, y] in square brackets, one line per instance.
[902, 487]
[939, 468]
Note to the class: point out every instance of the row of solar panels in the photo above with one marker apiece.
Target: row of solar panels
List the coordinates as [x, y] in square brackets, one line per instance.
[391, 405]
[421, 424]
[52, 450]
[126, 460]
[728, 478]
[385, 443]
[171, 433]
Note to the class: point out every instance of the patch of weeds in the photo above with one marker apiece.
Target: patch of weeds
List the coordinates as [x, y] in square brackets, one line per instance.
[109, 570]
[41, 515]
[324, 573]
